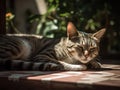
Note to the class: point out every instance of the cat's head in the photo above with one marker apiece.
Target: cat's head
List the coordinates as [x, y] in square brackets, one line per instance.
[82, 46]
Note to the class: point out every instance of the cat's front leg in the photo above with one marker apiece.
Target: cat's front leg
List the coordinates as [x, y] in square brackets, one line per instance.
[94, 64]
[73, 67]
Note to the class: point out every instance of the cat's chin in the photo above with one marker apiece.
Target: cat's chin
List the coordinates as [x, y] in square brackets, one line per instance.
[84, 61]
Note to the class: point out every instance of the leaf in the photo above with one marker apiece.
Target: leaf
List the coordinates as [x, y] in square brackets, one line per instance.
[34, 18]
[65, 14]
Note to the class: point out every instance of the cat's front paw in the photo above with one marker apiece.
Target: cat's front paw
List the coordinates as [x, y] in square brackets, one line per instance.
[73, 67]
[79, 67]
[95, 65]
[82, 67]
[98, 65]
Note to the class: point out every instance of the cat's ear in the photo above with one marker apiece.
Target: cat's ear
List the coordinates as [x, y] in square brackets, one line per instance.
[71, 30]
[99, 34]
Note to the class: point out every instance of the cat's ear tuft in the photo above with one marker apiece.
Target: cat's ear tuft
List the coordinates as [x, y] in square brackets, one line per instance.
[71, 30]
[99, 33]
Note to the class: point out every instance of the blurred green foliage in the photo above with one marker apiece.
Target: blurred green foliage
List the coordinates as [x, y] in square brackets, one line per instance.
[87, 15]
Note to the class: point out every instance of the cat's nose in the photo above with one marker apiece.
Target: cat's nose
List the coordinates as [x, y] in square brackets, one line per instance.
[86, 53]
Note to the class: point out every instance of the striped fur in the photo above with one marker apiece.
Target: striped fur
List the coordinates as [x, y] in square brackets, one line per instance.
[77, 51]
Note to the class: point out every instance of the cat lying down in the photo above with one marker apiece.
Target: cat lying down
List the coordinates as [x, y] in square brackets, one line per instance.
[77, 51]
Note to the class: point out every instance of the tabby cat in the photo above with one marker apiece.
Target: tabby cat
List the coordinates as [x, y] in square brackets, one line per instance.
[77, 51]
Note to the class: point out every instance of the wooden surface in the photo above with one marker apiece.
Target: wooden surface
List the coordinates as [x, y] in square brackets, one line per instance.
[107, 78]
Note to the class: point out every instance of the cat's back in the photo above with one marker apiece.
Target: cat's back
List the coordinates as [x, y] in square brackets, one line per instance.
[23, 46]
[14, 47]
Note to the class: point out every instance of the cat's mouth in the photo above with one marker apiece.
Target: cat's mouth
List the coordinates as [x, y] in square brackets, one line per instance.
[85, 60]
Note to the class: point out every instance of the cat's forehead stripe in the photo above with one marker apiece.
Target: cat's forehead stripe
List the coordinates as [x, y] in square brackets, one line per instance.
[85, 39]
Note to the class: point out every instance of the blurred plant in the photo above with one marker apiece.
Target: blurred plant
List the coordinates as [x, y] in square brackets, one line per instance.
[9, 22]
[49, 24]
[87, 15]
[80, 12]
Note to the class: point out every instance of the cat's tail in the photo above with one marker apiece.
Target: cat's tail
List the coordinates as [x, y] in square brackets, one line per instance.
[28, 65]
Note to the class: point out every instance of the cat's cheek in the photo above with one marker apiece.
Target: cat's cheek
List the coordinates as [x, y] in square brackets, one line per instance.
[79, 57]
[93, 55]
[74, 54]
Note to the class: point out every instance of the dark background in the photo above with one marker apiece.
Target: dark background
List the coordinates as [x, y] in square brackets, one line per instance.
[87, 15]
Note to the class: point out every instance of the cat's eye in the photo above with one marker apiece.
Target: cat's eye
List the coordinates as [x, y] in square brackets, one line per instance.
[80, 48]
[92, 49]
[70, 46]
[74, 39]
